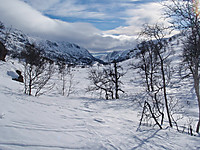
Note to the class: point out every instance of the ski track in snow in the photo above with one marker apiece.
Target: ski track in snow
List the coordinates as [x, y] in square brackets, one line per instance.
[105, 127]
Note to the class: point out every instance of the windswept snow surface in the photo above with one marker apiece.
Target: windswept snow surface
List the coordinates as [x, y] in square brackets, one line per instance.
[53, 122]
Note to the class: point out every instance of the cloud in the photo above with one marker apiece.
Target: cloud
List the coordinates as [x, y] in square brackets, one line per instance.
[69, 8]
[94, 9]
[32, 21]
[72, 9]
[135, 17]
[31, 17]
[21, 15]
[42, 5]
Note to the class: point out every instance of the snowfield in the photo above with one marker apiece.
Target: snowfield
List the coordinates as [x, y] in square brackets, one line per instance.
[81, 121]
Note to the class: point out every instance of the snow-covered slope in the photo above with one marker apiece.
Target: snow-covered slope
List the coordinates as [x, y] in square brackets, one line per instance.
[53, 122]
[118, 56]
[71, 53]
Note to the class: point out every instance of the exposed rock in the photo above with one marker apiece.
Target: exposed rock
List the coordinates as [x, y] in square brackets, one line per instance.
[20, 77]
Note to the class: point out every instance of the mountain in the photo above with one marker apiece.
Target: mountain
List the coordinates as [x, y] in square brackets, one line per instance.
[123, 55]
[15, 40]
[118, 56]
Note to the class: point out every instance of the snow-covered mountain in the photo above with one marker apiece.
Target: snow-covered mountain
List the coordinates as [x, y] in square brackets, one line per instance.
[123, 55]
[118, 56]
[71, 53]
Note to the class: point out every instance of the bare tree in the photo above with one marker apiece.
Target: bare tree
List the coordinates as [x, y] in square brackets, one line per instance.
[37, 70]
[107, 80]
[71, 84]
[66, 78]
[155, 63]
[185, 18]
[116, 73]
[100, 81]
[148, 67]
[62, 73]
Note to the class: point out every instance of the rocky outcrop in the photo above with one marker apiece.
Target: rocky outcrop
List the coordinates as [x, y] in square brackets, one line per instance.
[20, 77]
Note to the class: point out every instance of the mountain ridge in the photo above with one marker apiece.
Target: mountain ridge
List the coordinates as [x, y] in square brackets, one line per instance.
[15, 41]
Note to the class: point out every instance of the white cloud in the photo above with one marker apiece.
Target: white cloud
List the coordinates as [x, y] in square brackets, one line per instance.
[21, 15]
[145, 13]
[42, 5]
[69, 8]
[32, 21]
[92, 9]
[29, 17]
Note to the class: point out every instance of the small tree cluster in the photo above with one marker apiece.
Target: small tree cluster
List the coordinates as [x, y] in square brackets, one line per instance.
[38, 70]
[185, 18]
[154, 68]
[66, 86]
[107, 81]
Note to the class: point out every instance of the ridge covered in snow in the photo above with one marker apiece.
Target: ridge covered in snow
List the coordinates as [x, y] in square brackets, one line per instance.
[123, 55]
[71, 53]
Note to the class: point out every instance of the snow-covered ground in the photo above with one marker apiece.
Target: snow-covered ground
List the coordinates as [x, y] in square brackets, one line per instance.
[81, 121]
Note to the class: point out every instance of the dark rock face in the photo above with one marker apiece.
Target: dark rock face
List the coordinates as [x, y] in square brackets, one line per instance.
[3, 52]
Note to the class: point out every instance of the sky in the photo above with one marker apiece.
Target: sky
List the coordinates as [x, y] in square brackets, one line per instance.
[98, 25]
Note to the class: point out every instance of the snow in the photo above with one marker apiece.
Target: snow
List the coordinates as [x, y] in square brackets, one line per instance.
[81, 121]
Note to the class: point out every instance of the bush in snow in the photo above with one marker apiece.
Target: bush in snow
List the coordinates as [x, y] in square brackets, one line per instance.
[107, 81]
[65, 85]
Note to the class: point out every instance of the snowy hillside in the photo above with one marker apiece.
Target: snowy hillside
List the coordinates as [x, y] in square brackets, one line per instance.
[118, 56]
[82, 121]
[71, 53]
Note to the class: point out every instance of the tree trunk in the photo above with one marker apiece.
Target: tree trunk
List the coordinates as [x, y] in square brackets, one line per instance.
[198, 98]
[153, 116]
[106, 96]
[165, 91]
[30, 81]
[116, 81]
[29, 91]
[198, 124]
[157, 105]
[63, 84]
[196, 86]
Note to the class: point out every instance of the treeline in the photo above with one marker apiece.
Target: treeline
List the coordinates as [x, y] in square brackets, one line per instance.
[155, 65]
